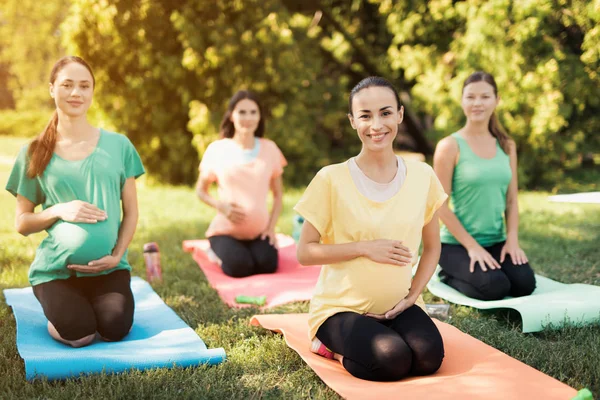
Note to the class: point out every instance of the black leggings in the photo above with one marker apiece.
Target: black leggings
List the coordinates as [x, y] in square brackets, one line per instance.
[390, 350]
[244, 257]
[495, 284]
[79, 307]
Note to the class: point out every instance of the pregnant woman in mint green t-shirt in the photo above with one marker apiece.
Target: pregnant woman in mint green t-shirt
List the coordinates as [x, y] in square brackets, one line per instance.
[83, 177]
[477, 166]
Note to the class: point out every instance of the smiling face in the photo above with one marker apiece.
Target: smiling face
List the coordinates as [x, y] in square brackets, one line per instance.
[375, 116]
[73, 90]
[245, 116]
[479, 101]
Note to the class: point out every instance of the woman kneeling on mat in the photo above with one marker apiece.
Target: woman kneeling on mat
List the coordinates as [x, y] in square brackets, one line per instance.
[478, 167]
[79, 174]
[245, 166]
[364, 219]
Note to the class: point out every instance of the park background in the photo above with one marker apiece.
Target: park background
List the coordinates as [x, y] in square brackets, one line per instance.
[164, 72]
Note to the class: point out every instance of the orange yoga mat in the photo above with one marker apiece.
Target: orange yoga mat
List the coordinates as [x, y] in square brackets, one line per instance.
[471, 370]
[291, 282]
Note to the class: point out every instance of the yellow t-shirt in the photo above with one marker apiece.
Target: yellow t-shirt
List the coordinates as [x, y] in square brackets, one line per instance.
[341, 214]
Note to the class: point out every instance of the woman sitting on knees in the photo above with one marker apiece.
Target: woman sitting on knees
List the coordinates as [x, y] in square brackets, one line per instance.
[478, 167]
[79, 174]
[245, 166]
[364, 219]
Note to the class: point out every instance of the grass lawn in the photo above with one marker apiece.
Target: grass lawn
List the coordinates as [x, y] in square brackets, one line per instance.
[561, 241]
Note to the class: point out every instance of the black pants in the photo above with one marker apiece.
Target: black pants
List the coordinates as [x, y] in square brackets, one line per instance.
[495, 284]
[390, 350]
[244, 257]
[79, 307]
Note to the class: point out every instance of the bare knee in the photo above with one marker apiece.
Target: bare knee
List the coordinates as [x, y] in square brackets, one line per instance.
[81, 342]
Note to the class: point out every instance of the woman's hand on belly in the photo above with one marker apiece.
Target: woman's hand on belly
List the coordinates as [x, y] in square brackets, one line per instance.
[386, 251]
[232, 211]
[79, 211]
[404, 304]
[103, 264]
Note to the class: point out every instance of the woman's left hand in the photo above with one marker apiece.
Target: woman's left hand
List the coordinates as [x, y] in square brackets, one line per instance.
[517, 254]
[269, 233]
[103, 264]
[403, 305]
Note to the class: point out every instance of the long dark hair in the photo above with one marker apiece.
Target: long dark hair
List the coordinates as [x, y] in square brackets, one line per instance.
[372, 81]
[226, 129]
[42, 147]
[494, 125]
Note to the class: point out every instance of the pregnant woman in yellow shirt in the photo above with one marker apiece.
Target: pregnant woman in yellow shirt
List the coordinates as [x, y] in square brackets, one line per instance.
[79, 174]
[364, 220]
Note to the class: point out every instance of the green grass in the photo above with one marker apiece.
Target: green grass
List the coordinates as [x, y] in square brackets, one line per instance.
[560, 239]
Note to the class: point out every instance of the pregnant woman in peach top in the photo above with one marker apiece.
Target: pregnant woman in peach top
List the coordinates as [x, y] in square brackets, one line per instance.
[245, 167]
[79, 174]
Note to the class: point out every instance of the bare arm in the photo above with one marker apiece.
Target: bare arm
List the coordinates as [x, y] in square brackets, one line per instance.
[27, 221]
[512, 203]
[277, 190]
[130, 218]
[429, 258]
[202, 192]
[511, 247]
[445, 158]
[311, 251]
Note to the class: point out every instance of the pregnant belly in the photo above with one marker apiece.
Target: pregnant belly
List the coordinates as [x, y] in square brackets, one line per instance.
[84, 242]
[370, 287]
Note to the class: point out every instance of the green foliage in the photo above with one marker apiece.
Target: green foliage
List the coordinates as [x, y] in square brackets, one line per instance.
[30, 43]
[545, 56]
[177, 82]
[24, 123]
[166, 69]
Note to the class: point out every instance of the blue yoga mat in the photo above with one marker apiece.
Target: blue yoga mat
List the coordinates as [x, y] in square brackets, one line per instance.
[158, 339]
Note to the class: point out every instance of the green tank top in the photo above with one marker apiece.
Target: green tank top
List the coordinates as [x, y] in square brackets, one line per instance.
[478, 196]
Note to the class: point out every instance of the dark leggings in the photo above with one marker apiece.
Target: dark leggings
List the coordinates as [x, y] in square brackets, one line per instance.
[495, 284]
[244, 257]
[79, 307]
[390, 350]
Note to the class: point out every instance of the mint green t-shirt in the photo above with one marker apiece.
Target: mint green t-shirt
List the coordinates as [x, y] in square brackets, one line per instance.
[97, 179]
[479, 188]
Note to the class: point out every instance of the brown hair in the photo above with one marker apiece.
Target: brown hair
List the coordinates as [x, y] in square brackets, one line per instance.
[42, 147]
[372, 81]
[494, 125]
[227, 130]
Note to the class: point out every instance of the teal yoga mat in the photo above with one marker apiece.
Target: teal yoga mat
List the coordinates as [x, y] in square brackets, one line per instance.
[551, 303]
[158, 339]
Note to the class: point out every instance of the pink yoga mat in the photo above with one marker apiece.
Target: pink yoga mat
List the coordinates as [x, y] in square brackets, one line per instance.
[471, 370]
[291, 282]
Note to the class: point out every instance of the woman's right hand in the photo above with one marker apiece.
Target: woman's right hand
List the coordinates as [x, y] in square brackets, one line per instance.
[386, 251]
[232, 211]
[79, 211]
[480, 255]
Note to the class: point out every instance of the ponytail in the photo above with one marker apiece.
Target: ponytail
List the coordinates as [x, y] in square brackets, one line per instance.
[42, 147]
[499, 133]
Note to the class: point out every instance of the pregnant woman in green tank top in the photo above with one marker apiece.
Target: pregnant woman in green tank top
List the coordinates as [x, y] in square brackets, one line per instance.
[477, 166]
[83, 177]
